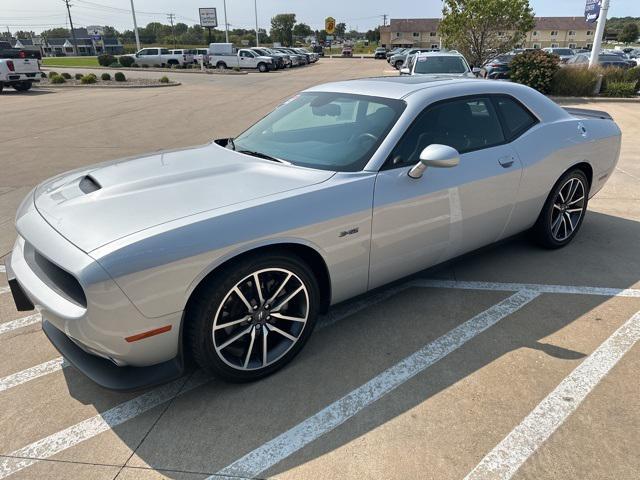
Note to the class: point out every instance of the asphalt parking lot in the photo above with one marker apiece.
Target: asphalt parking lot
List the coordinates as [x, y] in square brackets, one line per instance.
[511, 362]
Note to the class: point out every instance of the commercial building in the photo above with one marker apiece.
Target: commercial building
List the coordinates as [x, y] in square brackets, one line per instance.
[572, 32]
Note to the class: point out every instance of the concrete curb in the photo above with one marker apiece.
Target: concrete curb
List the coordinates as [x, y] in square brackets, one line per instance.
[164, 70]
[594, 99]
[152, 85]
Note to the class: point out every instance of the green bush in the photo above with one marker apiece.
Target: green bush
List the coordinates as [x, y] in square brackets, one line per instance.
[119, 77]
[115, 65]
[620, 89]
[57, 79]
[53, 74]
[633, 75]
[87, 79]
[79, 76]
[65, 75]
[135, 65]
[574, 82]
[105, 76]
[236, 68]
[106, 59]
[126, 61]
[535, 69]
[164, 79]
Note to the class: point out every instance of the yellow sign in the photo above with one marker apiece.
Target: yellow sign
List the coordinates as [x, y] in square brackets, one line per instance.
[330, 25]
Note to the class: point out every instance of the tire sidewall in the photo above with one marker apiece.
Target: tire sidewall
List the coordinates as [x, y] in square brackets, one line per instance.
[543, 225]
[217, 292]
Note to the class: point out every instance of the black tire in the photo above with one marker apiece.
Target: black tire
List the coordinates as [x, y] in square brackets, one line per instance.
[556, 212]
[22, 86]
[262, 67]
[217, 294]
[398, 64]
[1, 87]
[221, 66]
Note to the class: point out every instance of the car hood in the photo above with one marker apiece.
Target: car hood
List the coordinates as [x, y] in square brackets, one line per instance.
[97, 205]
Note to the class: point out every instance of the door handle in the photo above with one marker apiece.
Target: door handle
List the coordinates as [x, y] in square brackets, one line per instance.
[506, 161]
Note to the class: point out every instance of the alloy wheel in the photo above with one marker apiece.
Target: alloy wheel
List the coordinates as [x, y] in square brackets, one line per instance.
[260, 319]
[568, 208]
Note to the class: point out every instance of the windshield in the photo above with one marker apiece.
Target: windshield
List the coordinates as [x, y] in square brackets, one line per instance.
[562, 51]
[329, 131]
[440, 64]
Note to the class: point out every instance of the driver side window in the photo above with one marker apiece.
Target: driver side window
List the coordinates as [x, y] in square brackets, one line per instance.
[466, 124]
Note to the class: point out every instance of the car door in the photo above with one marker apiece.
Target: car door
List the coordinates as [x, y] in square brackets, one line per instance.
[246, 59]
[421, 222]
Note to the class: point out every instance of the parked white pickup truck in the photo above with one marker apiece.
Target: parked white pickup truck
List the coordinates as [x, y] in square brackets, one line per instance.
[19, 69]
[222, 56]
[162, 57]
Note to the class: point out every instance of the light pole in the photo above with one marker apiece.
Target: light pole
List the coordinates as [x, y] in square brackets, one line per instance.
[226, 25]
[597, 42]
[135, 26]
[255, 6]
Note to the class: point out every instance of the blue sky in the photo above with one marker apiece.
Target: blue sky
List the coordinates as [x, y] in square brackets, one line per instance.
[362, 14]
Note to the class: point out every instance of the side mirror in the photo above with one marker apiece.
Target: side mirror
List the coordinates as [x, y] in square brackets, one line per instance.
[436, 156]
[405, 71]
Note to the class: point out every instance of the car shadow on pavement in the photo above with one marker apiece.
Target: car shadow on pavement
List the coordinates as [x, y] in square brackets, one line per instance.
[211, 426]
[34, 92]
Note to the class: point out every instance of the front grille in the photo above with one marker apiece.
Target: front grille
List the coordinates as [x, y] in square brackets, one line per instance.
[56, 278]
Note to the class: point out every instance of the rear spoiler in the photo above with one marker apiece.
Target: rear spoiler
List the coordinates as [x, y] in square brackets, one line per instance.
[586, 113]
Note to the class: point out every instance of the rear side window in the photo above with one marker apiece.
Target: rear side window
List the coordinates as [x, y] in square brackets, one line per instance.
[515, 118]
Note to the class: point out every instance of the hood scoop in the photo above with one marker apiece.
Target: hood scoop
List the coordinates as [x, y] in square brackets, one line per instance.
[88, 184]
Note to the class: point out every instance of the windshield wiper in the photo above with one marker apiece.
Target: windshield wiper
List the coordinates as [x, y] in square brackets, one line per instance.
[230, 142]
[264, 156]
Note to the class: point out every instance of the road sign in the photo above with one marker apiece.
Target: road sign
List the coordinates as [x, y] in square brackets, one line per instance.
[330, 25]
[592, 10]
[208, 17]
[329, 37]
[95, 30]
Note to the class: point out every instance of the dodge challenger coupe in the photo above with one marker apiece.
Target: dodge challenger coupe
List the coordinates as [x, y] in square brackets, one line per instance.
[224, 254]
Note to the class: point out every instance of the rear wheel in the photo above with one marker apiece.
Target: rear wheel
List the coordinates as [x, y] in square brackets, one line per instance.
[221, 66]
[564, 210]
[252, 318]
[22, 86]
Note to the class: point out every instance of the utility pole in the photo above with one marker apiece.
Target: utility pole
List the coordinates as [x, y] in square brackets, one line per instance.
[73, 34]
[226, 25]
[255, 6]
[384, 20]
[597, 42]
[173, 30]
[135, 26]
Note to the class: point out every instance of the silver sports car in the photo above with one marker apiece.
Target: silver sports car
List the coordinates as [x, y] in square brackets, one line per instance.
[225, 253]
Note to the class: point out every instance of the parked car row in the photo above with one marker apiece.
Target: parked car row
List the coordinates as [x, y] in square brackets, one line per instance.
[19, 68]
[225, 55]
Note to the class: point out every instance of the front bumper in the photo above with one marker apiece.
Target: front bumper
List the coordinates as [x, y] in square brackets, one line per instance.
[107, 374]
[98, 327]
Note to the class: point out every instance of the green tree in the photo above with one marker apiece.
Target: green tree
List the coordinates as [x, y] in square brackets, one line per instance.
[629, 33]
[481, 28]
[373, 35]
[341, 29]
[56, 33]
[282, 28]
[302, 30]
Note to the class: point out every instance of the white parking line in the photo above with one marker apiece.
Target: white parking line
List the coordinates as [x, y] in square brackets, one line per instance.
[511, 453]
[89, 428]
[19, 323]
[32, 373]
[60, 441]
[4, 290]
[540, 288]
[289, 442]
[2, 268]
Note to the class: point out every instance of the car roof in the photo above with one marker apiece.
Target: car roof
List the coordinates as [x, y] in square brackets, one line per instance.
[449, 53]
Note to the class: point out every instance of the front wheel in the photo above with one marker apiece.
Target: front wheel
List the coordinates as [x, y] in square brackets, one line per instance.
[252, 318]
[262, 67]
[564, 210]
[399, 64]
